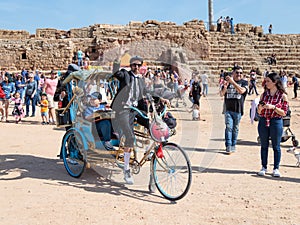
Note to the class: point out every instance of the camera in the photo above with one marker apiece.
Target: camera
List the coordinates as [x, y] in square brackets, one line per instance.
[227, 74]
[262, 103]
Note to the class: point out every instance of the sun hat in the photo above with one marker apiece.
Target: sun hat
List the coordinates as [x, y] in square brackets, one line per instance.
[95, 95]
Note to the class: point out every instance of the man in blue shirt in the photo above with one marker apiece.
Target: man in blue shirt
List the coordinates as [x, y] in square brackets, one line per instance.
[80, 57]
[38, 91]
[9, 89]
[24, 74]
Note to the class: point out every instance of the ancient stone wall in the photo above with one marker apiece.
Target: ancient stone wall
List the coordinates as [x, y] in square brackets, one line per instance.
[35, 54]
[188, 44]
[14, 34]
[147, 38]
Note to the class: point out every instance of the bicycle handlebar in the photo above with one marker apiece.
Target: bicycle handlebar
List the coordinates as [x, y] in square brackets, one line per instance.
[145, 116]
[139, 111]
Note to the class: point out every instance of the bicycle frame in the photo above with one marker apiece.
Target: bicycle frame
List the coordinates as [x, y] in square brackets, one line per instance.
[167, 160]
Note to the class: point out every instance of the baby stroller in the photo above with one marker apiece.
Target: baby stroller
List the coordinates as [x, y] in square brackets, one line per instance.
[287, 132]
[179, 95]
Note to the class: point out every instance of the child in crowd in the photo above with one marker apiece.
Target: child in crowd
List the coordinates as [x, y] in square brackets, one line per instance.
[195, 112]
[18, 110]
[44, 108]
[103, 127]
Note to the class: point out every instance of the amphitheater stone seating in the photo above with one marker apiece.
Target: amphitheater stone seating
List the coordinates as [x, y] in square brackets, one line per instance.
[194, 45]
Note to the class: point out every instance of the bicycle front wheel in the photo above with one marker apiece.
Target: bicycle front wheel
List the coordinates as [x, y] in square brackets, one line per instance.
[172, 173]
[74, 161]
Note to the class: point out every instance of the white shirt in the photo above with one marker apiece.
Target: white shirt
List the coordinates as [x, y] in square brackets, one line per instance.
[254, 105]
[284, 81]
[204, 79]
[195, 114]
[103, 93]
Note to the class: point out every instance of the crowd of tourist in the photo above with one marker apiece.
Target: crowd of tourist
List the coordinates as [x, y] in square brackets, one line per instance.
[225, 23]
[36, 89]
[30, 86]
[26, 89]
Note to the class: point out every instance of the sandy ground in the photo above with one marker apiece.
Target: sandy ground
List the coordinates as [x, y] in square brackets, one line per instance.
[36, 189]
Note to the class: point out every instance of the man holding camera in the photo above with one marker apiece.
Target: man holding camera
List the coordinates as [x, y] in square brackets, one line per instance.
[234, 90]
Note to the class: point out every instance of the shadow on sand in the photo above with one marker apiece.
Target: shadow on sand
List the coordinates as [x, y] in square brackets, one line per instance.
[16, 167]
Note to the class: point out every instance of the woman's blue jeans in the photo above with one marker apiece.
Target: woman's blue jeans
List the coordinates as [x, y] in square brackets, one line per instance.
[205, 89]
[28, 99]
[232, 121]
[274, 131]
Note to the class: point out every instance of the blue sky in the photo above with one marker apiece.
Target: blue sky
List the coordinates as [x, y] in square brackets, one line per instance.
[66, 14]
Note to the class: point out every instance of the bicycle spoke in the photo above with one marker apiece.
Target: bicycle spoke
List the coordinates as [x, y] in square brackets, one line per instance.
[172, 173]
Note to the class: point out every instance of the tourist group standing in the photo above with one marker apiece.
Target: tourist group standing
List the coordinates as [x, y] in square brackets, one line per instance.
[225, 23]
[25, 89]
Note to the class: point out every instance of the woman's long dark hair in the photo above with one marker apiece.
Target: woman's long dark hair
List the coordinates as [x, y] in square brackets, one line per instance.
[277, 80]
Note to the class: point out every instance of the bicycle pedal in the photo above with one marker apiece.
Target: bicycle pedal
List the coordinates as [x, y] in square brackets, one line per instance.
[132, 161]
[88, 165]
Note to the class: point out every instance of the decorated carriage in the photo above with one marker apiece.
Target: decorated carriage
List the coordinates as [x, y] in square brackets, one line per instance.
[170, 168]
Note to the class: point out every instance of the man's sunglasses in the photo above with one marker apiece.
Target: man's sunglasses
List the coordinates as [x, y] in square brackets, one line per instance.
[136, 64]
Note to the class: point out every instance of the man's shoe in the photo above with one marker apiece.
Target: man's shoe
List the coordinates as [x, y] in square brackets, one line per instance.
[32, 115]
[108, 146]
[262, 172]
[228, 149]
[276, 173]
[151, 185]
[232, 149]
[128, 177]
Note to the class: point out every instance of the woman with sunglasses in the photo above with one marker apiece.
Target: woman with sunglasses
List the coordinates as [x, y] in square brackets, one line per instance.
[31, 89]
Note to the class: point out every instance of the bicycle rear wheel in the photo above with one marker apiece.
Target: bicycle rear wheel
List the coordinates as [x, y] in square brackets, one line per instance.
[172, 173]
[74, 161]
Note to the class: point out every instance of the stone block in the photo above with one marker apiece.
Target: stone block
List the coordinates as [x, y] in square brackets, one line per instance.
[135, 24]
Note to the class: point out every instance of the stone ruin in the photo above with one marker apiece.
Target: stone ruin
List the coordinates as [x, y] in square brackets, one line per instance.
[188, 47]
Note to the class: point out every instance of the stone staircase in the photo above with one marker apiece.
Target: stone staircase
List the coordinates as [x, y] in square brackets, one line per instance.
[250, 51]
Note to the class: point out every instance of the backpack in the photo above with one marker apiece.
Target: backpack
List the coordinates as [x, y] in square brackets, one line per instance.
[256, 117]
[170, 120]
[196, 87]
[2, 94]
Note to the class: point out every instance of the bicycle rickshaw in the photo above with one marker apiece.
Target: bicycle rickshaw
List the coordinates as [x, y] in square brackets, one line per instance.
[170, 168]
